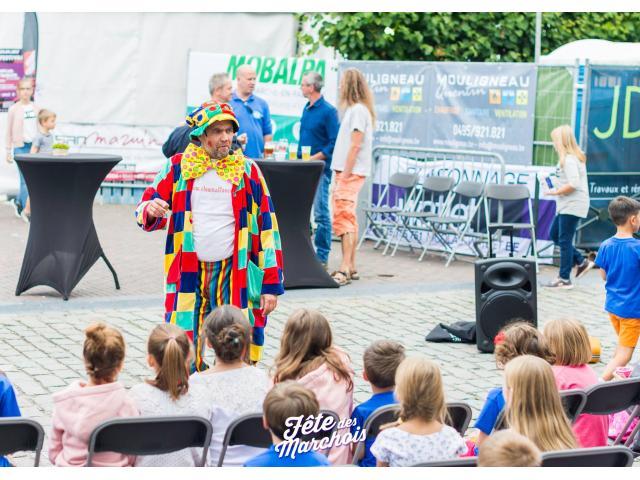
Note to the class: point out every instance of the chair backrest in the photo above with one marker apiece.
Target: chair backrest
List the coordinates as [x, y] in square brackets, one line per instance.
[469, 189]
[438, 184]
[457, 462]
[19, 434]
[611, 397]
[573, 402]
[151, 436]
[459, 416]
[405, 180]
[614, 456]
[245, 430]
[494, 191]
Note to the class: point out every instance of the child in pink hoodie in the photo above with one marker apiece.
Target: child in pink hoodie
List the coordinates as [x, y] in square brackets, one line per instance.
[82, 406]
[307, 355]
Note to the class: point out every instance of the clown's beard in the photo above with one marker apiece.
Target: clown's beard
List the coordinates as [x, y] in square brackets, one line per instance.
[218, 153]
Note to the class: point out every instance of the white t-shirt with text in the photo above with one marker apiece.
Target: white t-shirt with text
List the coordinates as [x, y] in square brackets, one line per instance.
[213, 220]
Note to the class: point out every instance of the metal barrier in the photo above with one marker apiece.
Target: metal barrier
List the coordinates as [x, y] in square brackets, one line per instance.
[479, 166]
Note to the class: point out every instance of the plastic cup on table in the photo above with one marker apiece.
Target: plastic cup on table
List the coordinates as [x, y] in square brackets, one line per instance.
[623, 372]
[306, 153]
[293, 151]
[269, 149]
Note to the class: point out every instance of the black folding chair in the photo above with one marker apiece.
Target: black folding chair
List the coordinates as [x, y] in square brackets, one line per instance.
[151, 436]
[457, 462]
[380, 416]
[615, 456]
[248, 430]
[573, 402]
[19, 434]
[613, 397]
[245, 430]
[459, 416]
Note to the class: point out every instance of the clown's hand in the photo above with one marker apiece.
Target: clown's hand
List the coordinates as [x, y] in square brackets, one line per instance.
[268, 303]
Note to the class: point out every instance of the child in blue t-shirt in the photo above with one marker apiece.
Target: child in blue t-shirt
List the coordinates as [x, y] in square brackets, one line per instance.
[516, 339]
[8, 407]
[285, 400]
[619, 262]
[381, 360]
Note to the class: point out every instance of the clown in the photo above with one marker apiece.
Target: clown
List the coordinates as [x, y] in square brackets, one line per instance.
[223, 245]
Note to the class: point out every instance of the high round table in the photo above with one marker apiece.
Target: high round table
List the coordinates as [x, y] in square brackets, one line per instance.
[292, 185]
[63, 244]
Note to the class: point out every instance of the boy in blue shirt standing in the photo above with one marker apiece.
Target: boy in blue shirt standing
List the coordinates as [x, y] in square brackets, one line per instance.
[619, 262]
[285, 400]
[381, 360]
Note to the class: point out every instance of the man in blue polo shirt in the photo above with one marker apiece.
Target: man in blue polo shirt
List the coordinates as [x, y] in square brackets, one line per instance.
[319, 129]
[252, 113]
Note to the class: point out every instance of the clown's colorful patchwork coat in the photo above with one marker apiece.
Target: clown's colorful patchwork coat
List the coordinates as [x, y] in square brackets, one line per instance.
[257, 240]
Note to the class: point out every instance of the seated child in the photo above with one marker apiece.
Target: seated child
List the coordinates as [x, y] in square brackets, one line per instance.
[507, 448]
[82, 406]
[235, 388]
[619, 262]
[381, 360]
[307, 354]
[8, 406]
[534, 408]
[170, 392]
[421, 434]
[518, 338]
[285, 400]
[569, 342]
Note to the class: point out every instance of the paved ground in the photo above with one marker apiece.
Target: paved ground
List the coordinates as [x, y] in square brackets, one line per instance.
[399, 298]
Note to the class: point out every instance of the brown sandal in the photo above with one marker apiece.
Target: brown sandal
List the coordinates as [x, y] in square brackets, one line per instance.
[341, 278]
[355, 275]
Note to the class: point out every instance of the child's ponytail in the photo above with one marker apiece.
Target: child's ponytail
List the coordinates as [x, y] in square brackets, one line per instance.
[170, 348]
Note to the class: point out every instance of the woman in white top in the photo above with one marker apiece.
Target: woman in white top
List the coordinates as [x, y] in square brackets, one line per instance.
[572, 204]
[170, 393]
[235, 387]
[352, 164]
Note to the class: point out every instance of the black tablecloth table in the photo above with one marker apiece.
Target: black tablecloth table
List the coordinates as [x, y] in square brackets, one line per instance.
[63, 243]
[292, 185]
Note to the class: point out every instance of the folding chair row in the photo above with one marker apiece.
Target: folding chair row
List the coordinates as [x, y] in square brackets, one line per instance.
[435, 209]
[617, 456]
[458, 416]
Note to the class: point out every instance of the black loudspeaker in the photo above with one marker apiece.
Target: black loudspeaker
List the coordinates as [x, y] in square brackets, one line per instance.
[505, 290]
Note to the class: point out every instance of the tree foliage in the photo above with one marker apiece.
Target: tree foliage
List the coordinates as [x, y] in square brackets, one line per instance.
[477, 37]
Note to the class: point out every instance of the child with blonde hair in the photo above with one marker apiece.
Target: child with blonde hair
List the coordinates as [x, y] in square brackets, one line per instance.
[421, 434]
[569, 341]
[235, 388]
[507, 448]
[82, 406]
[170, 392]
[534, 408]
[307, 355]
[517, 338]
[43, 142]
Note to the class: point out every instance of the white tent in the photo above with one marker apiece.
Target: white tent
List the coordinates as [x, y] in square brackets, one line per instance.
[120, 78]
[598, 52]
